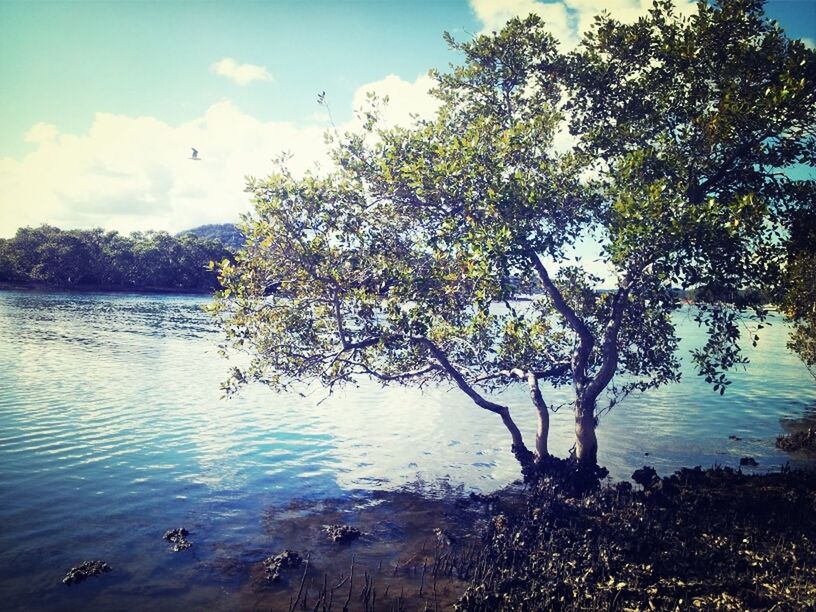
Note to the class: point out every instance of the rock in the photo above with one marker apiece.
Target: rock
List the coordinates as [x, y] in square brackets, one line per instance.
[288, 559]
[646, 477]
[748, 461]
[342, 534]
[178, 538]
[733, 437]
[86, 570]
[800, 440]
[483, 499]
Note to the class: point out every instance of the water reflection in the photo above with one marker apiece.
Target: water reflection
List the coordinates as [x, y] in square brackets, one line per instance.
[112, 430]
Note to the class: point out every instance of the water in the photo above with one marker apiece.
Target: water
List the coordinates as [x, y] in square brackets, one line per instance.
[112, 430]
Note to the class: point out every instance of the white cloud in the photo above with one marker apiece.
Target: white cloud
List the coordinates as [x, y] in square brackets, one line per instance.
[567, 19]
[134, 173]
[495, 13]
[41, 133]
[809, 43]
[405, 99]
[242, 74]
[319, 117]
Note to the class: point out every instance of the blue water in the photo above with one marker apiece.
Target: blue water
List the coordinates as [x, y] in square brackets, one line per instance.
[112, 429]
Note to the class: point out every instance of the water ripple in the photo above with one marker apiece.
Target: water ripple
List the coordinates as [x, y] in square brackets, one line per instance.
[112, 429]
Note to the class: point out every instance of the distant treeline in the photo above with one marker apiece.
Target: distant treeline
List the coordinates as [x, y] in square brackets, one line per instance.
[97, 259]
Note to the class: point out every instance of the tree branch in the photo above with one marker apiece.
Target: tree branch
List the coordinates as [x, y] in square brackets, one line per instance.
[364, 369]
[609, 346]
[517, 373]
[581, 356]
[543, 430]
[457, 377]
[520, 450]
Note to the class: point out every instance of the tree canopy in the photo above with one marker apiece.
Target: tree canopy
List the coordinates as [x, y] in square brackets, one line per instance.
[406, 263]
[108, 260]
[798, 294]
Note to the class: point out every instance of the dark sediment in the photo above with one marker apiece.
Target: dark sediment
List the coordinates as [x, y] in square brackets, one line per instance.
[86, 570]
[798, 441]
[415, 551]
[178, 538]
[700, 539]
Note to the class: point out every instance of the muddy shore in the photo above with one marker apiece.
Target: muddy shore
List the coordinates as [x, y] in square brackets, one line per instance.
[714, 539]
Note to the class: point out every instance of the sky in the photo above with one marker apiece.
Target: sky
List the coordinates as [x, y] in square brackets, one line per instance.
[102, 101]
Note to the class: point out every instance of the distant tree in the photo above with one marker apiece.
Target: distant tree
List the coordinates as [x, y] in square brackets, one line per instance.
[798, 296]
[405, 263]
[107, 260]
[7, 268]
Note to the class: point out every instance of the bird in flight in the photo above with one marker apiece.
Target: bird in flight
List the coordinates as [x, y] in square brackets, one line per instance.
[195, 156]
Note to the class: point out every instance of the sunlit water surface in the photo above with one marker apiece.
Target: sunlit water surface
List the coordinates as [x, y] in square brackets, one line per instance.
[112, 429]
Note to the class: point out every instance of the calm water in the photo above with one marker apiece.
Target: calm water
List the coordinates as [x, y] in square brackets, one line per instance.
[112, 430]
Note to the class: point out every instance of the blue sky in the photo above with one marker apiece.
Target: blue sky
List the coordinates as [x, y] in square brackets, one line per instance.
[102, 100]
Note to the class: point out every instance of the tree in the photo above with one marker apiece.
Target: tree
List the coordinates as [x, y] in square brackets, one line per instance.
[798, 298]
[404, 264]
[106, 260]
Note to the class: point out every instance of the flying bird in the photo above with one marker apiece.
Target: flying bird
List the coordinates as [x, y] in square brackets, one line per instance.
[195, 156]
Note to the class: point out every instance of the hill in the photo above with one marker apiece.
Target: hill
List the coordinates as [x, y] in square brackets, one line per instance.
[227, 233]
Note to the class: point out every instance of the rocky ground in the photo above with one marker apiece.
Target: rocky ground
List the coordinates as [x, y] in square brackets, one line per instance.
[804, 440]
[713, 539]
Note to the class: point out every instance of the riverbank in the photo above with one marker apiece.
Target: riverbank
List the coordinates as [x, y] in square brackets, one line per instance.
[147, 290]
[714, 539]
[700, 539]
[113, 425]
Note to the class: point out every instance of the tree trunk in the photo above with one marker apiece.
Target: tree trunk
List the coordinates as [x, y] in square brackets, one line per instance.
[586, 444]
[543, 431]
[520, 450]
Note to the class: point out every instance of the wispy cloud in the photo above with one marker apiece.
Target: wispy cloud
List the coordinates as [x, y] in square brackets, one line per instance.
[242, 74]
[405, 98]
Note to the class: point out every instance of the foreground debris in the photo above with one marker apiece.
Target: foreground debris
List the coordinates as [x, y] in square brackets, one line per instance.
[178, 538]
[273, 566]
[700, 539]
[342, 534]
[800, 440]
[86, 570]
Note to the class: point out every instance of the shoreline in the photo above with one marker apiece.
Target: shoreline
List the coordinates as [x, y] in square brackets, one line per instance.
[46, 288]
[699, 539]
